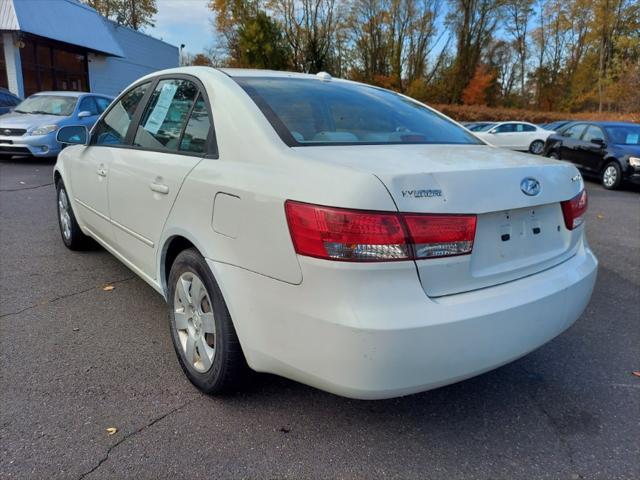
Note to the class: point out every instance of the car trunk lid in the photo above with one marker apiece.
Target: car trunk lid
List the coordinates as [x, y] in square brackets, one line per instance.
[516, 234]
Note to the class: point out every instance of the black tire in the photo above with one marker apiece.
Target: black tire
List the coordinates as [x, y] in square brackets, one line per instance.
[612, 176]
[536, 147]
[72, 237]
[228, 369]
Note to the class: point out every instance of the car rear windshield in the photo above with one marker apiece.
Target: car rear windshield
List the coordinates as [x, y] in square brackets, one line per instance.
[624, 135]
[47, 105]
[308, 112]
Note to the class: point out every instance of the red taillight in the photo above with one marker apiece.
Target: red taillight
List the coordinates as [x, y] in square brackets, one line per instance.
[357, 235]
[441, 235]
[342, 234]
[573, 210]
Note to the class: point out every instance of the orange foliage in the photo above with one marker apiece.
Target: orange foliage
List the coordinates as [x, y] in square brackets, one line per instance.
[201, 60]
[477, 113]
[386, 81]
[476, 92]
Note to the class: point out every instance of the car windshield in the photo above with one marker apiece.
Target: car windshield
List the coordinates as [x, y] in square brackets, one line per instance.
[314, 112]
[624, 134]
[47, 105]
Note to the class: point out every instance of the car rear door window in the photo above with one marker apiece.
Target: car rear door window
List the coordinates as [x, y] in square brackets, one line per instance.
[166, 115]
[112, 129]
[593, 133]
[195, 135]
[526, 128]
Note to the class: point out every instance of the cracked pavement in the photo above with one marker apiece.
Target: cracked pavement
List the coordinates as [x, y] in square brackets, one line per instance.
[75, 360]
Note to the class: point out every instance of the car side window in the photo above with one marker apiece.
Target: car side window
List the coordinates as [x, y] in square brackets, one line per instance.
[102, 103]
[166, 115]
[195, 135]
[593, 133]
[574, 132]
[112, 129]
[505, 128]
[527, 128]
[88, 104]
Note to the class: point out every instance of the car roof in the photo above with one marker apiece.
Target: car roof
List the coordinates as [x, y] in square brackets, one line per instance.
[614, 124]
[603, 124]
[253, 72]
[62, 93]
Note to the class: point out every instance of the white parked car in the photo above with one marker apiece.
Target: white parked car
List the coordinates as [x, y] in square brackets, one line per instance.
[334, 233]
[521, 136]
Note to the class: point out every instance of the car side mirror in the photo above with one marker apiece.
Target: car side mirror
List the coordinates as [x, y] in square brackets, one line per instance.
[73, 135]
[598, 141]
[85, 114]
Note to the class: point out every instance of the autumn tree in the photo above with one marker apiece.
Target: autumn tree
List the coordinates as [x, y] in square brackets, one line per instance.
[564, 55]
[309, 28]
[135, 14]
[200, 60]
[475, 93]
[253, 38]
[474, 22]
[517, 16]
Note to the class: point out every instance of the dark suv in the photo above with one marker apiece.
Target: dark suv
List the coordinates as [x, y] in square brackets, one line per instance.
[610, 150]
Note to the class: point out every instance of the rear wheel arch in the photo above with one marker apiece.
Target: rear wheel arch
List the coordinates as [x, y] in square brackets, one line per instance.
[170, 251]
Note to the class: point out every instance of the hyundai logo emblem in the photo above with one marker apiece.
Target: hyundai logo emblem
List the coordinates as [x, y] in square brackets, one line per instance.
[7, 132]
[530, 186]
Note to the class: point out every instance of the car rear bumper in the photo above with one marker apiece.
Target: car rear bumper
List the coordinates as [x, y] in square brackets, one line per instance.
[368, 336]
[32, 145]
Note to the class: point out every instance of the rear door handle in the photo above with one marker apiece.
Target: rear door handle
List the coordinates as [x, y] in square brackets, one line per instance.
[159, 187]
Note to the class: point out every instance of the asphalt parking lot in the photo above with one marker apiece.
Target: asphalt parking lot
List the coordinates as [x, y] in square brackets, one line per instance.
[76, 359]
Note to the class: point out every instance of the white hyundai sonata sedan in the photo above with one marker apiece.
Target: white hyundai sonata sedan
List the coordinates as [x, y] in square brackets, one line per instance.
[334, 233]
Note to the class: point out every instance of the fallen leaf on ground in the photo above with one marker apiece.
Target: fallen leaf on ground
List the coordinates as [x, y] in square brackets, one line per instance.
[76, 329]
[112, 430]
[22, 183]
[599, 216]
[108, 288]
[637, 374]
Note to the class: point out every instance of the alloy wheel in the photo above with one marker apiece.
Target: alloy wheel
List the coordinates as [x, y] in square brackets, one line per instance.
[537, 147]
[64, 213]
[195, 322]
[610, 176]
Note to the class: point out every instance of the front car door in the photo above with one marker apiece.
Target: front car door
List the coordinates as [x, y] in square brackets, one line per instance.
[590, 153]
[570, 142]
[89, 169]
[501, 136]
[169, 138]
